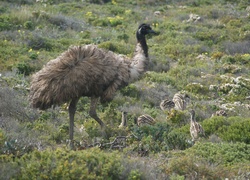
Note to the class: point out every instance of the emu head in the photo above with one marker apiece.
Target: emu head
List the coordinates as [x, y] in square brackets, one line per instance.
[143, 30]
[192, 113]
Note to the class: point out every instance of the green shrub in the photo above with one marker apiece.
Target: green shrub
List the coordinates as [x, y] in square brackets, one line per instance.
[210, 37]
[161, 137]
[28, 25]
[224, 153]
[213, 161]
[61, 164]
[197, 88]
[135, 175]
[212, 125]
[233, 129]
[237, 131]
[228, 59]
[37, 42]
[24, 68]
[177, 118]
[130, 90]
[177, 140]
[61, 134]
[5, 23]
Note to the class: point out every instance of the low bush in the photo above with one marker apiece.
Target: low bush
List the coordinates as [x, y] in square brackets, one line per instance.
[130, 90]
[38, 42]
[233, 129]
[24, 68]
[237, 131]
[213, 161]
[212, 125]
[64, 164]
[5, 23]
[161, 137]
[222, 153]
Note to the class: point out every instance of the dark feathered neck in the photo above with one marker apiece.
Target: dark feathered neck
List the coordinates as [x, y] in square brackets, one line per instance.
[192, 116]
[142, 40]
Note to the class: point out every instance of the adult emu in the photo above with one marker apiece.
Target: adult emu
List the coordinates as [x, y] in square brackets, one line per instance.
[87, 71]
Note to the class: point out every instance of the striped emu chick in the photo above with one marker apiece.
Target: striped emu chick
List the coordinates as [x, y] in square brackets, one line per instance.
[124, 120]
[167, 104]
[145, 120]
[195, 128]
[180, 101]
[220, 113]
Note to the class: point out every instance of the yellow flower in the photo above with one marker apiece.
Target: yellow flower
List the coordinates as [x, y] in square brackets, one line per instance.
[30, 50]
[89, 14]
[128, 11]
[37, 52]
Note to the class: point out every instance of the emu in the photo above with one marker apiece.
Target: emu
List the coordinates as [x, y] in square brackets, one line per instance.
[180, 101]
[145, 120]
[167, 104]
[124, 119]
[88, 71]
[195, 128]
[140, 121]
[219, 113]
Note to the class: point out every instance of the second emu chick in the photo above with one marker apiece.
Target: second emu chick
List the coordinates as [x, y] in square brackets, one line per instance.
[145, 120]
[195, 128]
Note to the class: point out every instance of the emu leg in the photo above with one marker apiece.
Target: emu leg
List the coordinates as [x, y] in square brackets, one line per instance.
[72, 110]
[92, 111]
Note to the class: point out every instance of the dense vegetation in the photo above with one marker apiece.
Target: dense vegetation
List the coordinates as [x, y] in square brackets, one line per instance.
[201, 48]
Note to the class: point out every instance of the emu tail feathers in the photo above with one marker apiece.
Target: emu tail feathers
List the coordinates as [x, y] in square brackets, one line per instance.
[61, 79]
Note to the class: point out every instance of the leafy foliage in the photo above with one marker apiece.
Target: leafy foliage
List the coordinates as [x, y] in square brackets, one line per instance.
[233, 129]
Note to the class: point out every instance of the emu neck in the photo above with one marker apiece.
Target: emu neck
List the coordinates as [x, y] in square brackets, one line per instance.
[140, 60]
[142, 41]
[192, 117]
[124, 119]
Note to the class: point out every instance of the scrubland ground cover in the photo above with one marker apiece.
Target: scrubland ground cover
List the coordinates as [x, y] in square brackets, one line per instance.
[201, 48]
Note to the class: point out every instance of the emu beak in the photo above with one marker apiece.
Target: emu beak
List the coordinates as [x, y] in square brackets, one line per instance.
[151, 31]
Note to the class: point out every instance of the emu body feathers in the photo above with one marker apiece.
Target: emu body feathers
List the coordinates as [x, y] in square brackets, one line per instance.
[80, 71]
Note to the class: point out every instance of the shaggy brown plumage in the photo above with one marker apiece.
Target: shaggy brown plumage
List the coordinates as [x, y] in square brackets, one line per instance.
[87, 71]
[80, 71]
